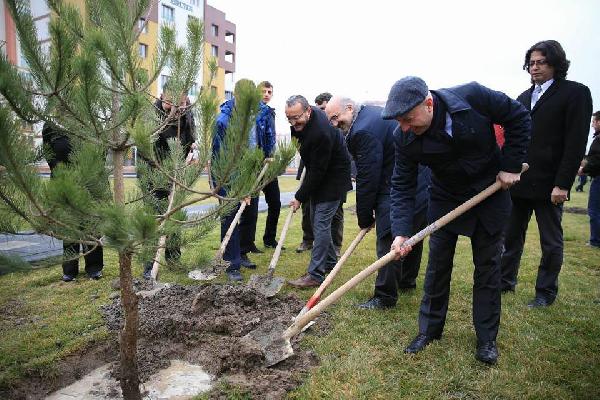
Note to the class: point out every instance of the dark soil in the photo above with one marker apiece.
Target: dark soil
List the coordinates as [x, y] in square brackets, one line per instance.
[576, 210]
[208, 334]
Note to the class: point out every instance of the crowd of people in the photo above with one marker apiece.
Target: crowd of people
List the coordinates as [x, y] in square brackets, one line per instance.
[416, 159]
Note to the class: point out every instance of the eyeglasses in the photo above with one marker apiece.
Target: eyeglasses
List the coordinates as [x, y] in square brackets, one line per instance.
[294, 118]
[539, 63]
[335, 117]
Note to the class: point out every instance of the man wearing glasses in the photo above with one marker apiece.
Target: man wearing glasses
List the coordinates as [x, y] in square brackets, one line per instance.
[327, 180]
[370, 140]
[560, 112]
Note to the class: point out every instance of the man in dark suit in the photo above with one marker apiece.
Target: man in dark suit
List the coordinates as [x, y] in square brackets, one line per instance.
[59, 144]
[370, 140]
[560, 112]
[452, 132]
[326, 182]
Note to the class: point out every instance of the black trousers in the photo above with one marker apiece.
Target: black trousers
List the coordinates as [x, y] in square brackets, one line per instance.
[173, 245]
[337, 226]
[549, 218]
[94, 260]
[248, 226]
[486, 283]
[399, 274]
[272, 197]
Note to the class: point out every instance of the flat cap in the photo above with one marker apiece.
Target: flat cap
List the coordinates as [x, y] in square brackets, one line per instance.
[406, 94]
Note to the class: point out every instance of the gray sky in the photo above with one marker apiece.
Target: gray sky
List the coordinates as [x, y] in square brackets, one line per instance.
[360, 48]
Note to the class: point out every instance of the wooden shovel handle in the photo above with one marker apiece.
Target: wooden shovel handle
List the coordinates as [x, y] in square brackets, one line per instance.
[315, 298]
[297, 326]
[239, 213]
[284, 230]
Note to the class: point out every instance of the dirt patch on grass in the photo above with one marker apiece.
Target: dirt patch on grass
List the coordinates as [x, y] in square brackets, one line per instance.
[208, 334]
[576, 210]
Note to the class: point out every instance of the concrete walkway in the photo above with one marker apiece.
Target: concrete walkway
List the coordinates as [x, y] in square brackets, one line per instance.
[32, 247]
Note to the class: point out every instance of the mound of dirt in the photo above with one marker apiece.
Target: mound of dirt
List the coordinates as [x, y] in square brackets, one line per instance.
[204, 325]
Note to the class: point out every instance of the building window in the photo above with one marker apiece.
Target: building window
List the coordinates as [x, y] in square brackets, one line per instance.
[168, 14]
[229, 57]
[193, 89]
[164, 79]
[230, 37]
[143, 50]
[215, 30]
[142, 25]
[228, 95]
[214, 51]
[213, 89]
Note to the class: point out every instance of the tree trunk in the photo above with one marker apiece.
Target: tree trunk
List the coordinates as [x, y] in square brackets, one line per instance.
[130, 381]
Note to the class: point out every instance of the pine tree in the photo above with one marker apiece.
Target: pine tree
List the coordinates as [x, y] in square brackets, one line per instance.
[92, 86]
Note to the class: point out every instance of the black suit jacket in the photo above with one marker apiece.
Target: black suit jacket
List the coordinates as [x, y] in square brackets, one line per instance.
[326, 159]
[560, 126]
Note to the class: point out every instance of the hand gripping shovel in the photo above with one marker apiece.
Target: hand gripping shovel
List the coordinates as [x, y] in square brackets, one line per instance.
[218, 263]
[268, 284]
[317, 296]
[276, 343]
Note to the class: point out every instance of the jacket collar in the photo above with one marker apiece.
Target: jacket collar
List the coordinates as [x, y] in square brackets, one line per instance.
[453, 102]
[545, 96]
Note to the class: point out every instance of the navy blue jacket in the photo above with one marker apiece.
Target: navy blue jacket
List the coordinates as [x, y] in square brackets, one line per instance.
[371, 144]
[264, 128]
[463, 164]
[326, 159]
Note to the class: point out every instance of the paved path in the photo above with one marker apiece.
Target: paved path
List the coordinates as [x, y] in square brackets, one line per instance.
[31, 247]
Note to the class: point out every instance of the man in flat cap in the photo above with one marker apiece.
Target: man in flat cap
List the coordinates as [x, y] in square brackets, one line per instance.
[452, 132]
[370, 140]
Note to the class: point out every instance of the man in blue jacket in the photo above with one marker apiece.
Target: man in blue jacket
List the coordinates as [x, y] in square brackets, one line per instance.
[370, 140]
[327, 180]
[234, 253]
[451, 131]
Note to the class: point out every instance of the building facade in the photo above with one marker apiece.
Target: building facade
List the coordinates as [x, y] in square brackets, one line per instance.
[220, 39]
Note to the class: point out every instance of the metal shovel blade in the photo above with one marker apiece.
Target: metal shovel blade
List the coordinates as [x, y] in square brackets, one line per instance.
[269, 337]
[269, 286]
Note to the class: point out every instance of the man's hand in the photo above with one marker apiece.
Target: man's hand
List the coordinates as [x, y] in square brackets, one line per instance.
[294, 204]
[247, 200]
[508, 179]
[401, 251]
[580, 171]
[558, 195]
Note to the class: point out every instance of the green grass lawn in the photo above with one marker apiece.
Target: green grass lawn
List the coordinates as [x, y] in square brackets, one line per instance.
[552, 353]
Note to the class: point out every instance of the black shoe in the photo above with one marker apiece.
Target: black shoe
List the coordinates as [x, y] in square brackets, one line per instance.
[68, 278]
[273, 245]
[376, 303]
[487, 352]
[147, 274]
[234, 275]
[507, 290]
[95, 275]
[303, 247]
[255, 250]
[246, 263]
[539, 302]
[419, 343]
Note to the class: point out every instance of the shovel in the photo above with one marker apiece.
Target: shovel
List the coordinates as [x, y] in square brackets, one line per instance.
[317, 296]
[276, 343]
[218, 263]
[268, 284]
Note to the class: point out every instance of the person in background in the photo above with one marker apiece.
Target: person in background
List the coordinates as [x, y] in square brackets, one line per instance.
[560, 112]
[591, 167]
